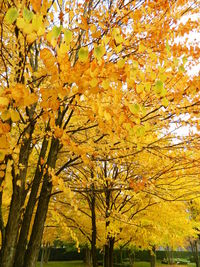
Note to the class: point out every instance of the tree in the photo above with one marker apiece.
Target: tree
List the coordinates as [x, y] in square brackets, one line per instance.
[113, 205]
[109, 69]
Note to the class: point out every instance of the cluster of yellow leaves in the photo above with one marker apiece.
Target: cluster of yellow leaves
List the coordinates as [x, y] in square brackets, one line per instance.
[117, 73]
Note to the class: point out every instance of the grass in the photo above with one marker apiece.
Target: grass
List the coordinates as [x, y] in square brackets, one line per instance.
[81, 264]
[159, 264]
[63, 264]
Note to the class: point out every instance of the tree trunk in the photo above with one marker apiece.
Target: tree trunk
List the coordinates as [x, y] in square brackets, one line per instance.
[12, 229]
[169, 255]
[42, 257]
[87, 259]
[38, 227]
[47, 251]
[196, 253]
[94, 231]
[41, 213]
[22, 242]
[108, 252]
[153, 257]
[111, 250]
[106, 256]
[131, 254]
[8, 251]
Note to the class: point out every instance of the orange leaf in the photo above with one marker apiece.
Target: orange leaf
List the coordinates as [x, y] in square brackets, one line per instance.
[36, 4]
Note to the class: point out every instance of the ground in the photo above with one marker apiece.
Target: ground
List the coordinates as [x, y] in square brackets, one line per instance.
[80, 264]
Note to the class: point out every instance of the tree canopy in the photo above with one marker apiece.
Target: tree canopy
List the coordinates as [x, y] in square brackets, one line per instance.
[89, 83]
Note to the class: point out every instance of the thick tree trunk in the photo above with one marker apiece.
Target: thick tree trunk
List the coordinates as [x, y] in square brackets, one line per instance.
[18, 197]
[94, 232]
[38, 227]
[41, 213]
[153, 257]
[196, 253]
[106, 256]
[108, 252]
[169, 255]
[111, 250]
[131, 254]
[22, 242]
[12, 229]
[87, 259]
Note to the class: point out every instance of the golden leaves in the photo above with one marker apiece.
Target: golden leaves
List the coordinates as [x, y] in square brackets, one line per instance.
[11, 15]
[99, 51]
[83, 54]
[4, 101]
[4, 144]
[68, 36]
[21, 95]
[49, 61]
[15, 117]
[134, 108]
[36, 4]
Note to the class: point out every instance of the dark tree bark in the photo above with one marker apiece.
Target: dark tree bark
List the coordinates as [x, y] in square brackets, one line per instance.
[111, 250]
[22, 242]
[41, 213]
[153, 256]
[108, 252]
[94, 231]
[195, 251]
[131, 254]
[18, 197]
[87, 258]
[46, 252]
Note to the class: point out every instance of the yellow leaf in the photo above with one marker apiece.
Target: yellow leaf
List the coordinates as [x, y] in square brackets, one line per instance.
[64, 48]
[83, 54]
[14, 115]
[147, 87]
[107, 116]
[99, 51]
[19, 183]
[93, 28]
[94, 82]
[139, 88]
[141, 48]
[5, 115]
[27, 15]
[2, 155]
[119, 39]
[4, 101]
[28, 28]
[41, 31]
[21, 23]
[3, 142]
[31, 37]
[165, 102]
[106, 40]
[11, 15]
[68, 36]
[105, 84]
[118, 48]
[37, 22]
[121, 63]
[140, 131]
[135, 65]
[134, 108]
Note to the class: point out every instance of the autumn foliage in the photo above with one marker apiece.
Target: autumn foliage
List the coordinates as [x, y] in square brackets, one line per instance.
[89, 84]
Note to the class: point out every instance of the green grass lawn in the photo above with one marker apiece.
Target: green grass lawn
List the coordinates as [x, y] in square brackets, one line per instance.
[81, 264]
[63, 264]
[159, 264]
